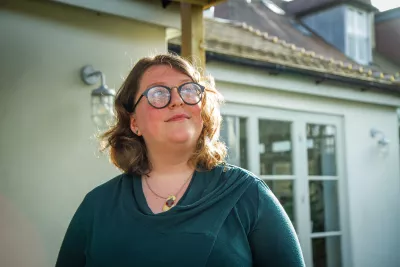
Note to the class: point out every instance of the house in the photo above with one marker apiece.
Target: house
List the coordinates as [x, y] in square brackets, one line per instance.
[311, 107]
[321, 129]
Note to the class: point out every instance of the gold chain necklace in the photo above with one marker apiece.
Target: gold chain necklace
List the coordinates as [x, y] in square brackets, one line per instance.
[170, 200]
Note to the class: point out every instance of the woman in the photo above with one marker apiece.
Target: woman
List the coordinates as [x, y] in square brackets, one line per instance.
[177, 203]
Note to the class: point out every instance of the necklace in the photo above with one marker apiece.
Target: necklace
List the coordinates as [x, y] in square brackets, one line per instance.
[170, 200]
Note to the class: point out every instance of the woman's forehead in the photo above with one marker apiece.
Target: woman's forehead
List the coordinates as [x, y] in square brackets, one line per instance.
[163, 75]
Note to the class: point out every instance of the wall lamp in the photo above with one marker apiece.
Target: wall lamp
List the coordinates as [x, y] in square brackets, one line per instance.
[382, 140]
[102, 98]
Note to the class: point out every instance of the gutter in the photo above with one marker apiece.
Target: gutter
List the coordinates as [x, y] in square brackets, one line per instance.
[277, 68]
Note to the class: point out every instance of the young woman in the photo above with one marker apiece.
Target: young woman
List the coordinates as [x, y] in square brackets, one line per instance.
[176, 202]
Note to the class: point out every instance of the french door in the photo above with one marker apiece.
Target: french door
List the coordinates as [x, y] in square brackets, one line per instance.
[300, 157]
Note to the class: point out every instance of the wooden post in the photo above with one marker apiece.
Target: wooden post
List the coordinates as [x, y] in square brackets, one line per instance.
[192, 40]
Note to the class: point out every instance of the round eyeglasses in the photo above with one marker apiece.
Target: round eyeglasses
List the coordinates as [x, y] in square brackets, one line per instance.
[159, 96]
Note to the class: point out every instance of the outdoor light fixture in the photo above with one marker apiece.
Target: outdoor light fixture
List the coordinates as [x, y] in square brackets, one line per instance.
[102, 97]
[382, 140]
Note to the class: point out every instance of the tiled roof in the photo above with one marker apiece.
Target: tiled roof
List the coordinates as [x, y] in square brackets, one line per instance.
[257, 15]
[240, 40]
[387, 34]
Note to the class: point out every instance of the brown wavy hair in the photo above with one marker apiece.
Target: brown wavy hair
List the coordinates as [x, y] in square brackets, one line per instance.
[128, 152]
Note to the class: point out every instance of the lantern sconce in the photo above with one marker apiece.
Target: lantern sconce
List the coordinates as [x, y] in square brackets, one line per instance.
[102, 101]
[382, 140]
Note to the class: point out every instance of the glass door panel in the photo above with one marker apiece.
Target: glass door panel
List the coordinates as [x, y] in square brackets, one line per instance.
[276, 157]
[321, 151]
[233, 134]
[324, 206]
[283, 190]
[327, 252]
[275, 141]
[323, 195]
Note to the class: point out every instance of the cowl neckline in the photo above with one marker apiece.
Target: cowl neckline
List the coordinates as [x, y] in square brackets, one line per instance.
[141, 198]
[222, 182]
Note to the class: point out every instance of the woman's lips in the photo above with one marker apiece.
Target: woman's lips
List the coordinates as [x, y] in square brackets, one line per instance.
[178, 117]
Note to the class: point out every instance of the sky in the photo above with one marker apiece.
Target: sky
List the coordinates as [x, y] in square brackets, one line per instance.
[383, 5]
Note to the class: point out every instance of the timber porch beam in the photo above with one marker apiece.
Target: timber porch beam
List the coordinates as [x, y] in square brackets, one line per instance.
[192, 38]
[192, 26]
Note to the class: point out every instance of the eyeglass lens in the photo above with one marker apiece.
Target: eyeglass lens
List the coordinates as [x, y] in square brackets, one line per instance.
[159, 96]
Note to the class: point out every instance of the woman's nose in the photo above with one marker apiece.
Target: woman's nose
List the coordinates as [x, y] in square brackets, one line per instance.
[176, 99]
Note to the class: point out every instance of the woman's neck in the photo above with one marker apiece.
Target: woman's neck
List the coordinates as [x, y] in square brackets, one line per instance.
[170, 163]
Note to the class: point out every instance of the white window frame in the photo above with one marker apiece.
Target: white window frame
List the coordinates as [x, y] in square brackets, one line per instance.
[358, 35]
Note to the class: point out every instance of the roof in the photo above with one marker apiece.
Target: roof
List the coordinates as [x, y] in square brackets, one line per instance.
[387, 34]
[260, 17]
[304, 7]
[383, 63]
[240, 40]
[390, 14]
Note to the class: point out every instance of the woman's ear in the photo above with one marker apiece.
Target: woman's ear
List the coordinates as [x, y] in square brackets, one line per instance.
[133, 125]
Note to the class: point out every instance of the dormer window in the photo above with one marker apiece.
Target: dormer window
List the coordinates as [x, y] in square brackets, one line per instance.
[358, 31]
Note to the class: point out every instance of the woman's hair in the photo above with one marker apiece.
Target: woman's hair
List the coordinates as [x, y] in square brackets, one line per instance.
[128, 151]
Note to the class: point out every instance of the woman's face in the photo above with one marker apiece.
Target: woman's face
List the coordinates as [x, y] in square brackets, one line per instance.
[177, 123]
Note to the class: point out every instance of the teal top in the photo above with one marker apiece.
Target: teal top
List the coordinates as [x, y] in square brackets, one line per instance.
[227, 217]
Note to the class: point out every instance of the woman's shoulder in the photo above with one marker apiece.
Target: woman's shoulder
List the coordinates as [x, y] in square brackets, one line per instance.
[255, 198]
[258, 197]
[109, 188]
[256, 190]
[236, 171]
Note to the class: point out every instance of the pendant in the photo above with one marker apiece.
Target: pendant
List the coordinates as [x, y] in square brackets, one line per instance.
[169, 203]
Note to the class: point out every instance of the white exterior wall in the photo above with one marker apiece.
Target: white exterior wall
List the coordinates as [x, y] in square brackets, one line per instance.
[372, 180]
[48, 155]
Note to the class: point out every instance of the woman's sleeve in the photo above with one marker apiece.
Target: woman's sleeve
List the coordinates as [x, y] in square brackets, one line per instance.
[72, 251]
[273, 240]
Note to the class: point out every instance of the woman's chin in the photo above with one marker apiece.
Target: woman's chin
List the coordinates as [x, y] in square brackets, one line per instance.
[182, 138]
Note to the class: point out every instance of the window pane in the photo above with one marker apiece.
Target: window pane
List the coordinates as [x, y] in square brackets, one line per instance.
[351, 21]
[233, 134]
[321, 152]
[361, 25]
[327, 252]
[362, 49]
[275, 147]
[324, 206]
[283, 190]
[351, 45]
[358, 35]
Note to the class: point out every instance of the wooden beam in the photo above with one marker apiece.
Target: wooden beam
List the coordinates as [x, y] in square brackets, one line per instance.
[192, 40]
[204, 3]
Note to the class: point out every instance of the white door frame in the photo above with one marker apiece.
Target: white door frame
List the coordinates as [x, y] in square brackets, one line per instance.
[299, 121]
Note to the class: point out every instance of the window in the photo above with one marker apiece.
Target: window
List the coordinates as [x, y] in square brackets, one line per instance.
[358, 45]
